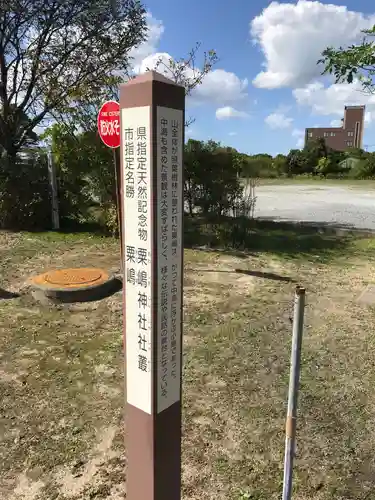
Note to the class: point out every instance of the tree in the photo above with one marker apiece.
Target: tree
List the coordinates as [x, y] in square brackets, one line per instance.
[185, 71]
[313, 151]
[222, 187]
[364, 168]
[324, 165]
[280, 164]
[85, 174]
[259, 165]
[353, 62]
[53, 53]
[17, 120]
[356, 153]
[211, 177]
[193, 157]
[24, 196]
[297, 162]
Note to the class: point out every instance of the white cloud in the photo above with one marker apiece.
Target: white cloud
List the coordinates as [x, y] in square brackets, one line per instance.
[300, 142]
[218, 86]
[299, 134]
[155, 32]
[222, 87]
[292, 37]
[369, 116]
[232, 134]
[157, 60]
[190, 131]
[336, 123]
[331, 100]
[229, 112]
[278, 120]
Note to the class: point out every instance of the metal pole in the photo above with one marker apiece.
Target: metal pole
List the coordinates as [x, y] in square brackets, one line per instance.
[54, 197]
[118, 206]
[295, 365]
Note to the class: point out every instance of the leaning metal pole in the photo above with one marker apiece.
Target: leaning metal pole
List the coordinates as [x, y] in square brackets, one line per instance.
[295, 365]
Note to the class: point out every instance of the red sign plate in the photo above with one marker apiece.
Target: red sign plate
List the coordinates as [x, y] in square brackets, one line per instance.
[109, 124]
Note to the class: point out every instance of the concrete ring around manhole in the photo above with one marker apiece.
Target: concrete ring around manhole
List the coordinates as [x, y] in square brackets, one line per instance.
[82, 284]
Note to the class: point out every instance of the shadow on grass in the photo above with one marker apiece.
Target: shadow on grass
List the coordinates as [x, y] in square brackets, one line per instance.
[256, 274]
[92, 227]
[241, 236]
[267, 276]
[5, 295]
[68, 227]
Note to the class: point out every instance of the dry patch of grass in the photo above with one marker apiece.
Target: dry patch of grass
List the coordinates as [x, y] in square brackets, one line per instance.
[61, 376]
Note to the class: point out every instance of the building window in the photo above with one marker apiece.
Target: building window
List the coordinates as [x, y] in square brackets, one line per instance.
[333, 134]
[310, 134]
[349, 143]
[325, 134]
[350, 134]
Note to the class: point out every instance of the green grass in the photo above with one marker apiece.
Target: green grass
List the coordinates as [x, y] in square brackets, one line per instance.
[61, 370]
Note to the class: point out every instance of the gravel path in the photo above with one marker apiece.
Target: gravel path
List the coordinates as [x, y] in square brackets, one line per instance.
[326, 204]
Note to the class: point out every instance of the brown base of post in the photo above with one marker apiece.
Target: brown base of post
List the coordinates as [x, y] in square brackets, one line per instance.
[160, 436]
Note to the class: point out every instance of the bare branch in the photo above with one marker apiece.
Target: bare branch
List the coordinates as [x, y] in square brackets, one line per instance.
[189, 121]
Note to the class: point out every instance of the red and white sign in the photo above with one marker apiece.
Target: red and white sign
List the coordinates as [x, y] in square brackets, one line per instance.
[109, 124]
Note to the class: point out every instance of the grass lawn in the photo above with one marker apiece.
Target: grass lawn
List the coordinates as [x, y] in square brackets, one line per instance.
[351, 183]
[61, 371]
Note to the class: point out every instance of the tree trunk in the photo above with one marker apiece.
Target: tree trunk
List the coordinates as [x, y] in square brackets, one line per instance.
[9, 160]
[189, 196]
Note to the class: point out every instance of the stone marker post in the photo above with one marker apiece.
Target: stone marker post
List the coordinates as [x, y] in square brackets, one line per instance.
[152, 141]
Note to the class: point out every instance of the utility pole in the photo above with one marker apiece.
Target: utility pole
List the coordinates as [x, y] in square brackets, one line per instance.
[54, 196]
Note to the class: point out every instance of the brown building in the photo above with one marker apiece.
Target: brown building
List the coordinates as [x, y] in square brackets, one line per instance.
[349, 135]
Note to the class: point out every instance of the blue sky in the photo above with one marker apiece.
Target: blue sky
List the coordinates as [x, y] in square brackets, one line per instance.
[266, 74]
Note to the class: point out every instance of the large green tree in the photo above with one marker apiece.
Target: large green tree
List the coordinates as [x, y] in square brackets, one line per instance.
[55, 52]
[352, 62]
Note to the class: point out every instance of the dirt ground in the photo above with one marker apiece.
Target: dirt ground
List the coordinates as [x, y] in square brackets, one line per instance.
[61, 375]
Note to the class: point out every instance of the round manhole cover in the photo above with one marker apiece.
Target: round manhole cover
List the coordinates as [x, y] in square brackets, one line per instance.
[72, 278]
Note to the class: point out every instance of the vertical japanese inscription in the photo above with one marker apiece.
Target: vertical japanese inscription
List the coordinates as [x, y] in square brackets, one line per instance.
[136, 143]
[169, 138]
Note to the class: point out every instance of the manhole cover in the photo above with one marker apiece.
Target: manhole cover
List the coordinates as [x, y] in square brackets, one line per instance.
[74, 285]
[72, 278]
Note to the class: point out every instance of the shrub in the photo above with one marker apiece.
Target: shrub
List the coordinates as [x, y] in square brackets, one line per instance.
[24, 193]
[364, 169]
